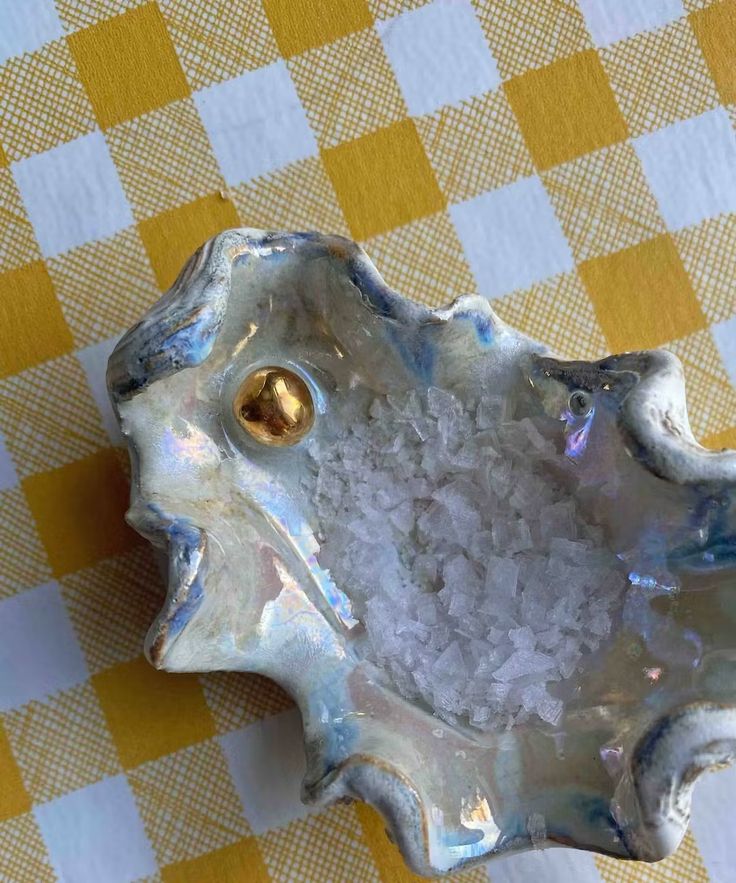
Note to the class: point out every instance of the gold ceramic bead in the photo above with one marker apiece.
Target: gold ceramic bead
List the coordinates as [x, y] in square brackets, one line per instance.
[275, 406]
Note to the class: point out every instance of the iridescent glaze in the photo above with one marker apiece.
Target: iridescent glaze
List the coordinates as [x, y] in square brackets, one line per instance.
[246, 592]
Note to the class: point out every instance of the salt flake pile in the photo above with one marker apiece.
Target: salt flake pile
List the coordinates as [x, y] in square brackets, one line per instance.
[480, 586]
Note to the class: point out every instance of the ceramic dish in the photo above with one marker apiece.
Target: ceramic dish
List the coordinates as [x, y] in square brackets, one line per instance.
[655, 706]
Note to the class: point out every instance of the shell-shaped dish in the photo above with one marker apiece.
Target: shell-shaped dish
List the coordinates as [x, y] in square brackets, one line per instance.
[655, 706]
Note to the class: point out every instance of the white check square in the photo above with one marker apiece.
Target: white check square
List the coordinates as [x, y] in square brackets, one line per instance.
[256, 123]
[511, 237]
[96, 834]
[712, 799]
[8, 475]
[94, 362]
[266, 763]
[25, 26]
[72, 194]
[39, 653]
[439, 55]
[545, 866]
[724, 334]
[612, 20]
[691, 168]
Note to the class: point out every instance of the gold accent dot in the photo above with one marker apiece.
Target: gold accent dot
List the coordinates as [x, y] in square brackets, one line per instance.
[275, 406]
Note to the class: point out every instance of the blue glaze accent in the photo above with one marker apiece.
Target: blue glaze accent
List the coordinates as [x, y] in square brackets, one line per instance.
[643, 580]
[192, 344]
[645, 748]
[651, 553]
[337, 734]
[184, 612]
[280, 507]
[407, 334]
[378, 295]
[170, 339]
[720, 555]
[417, 353]
[483, 324]
[718, 550]
[465, 837]
[593, 810]
[598, 812]
[648, 581]
[577, 431]
[185, 569]
[184, 541]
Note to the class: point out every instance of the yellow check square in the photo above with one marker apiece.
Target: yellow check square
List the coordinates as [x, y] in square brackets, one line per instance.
[128, 65]
[231, 864]
[715, 28]
[42, 430]
[151, 713]
[79, 510]
[720, 440]
[385, 853]
[32, 327]
[566, 109]
[305, 850]
[14, 799]
[642, 295]
[112, 605]
[103, 286]
[558, 311]
[170, 238]
[383, 180]
[299, 25]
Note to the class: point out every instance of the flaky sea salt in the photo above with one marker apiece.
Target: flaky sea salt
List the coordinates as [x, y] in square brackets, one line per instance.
[481, 587]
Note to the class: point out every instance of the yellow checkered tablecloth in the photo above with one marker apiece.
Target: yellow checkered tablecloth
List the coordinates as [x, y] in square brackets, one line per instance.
[575, 162]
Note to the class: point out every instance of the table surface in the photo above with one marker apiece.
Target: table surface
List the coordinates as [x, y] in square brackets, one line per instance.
[573, 162]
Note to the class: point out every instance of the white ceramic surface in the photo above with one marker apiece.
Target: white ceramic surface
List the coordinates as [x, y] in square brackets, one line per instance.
[246, 592]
